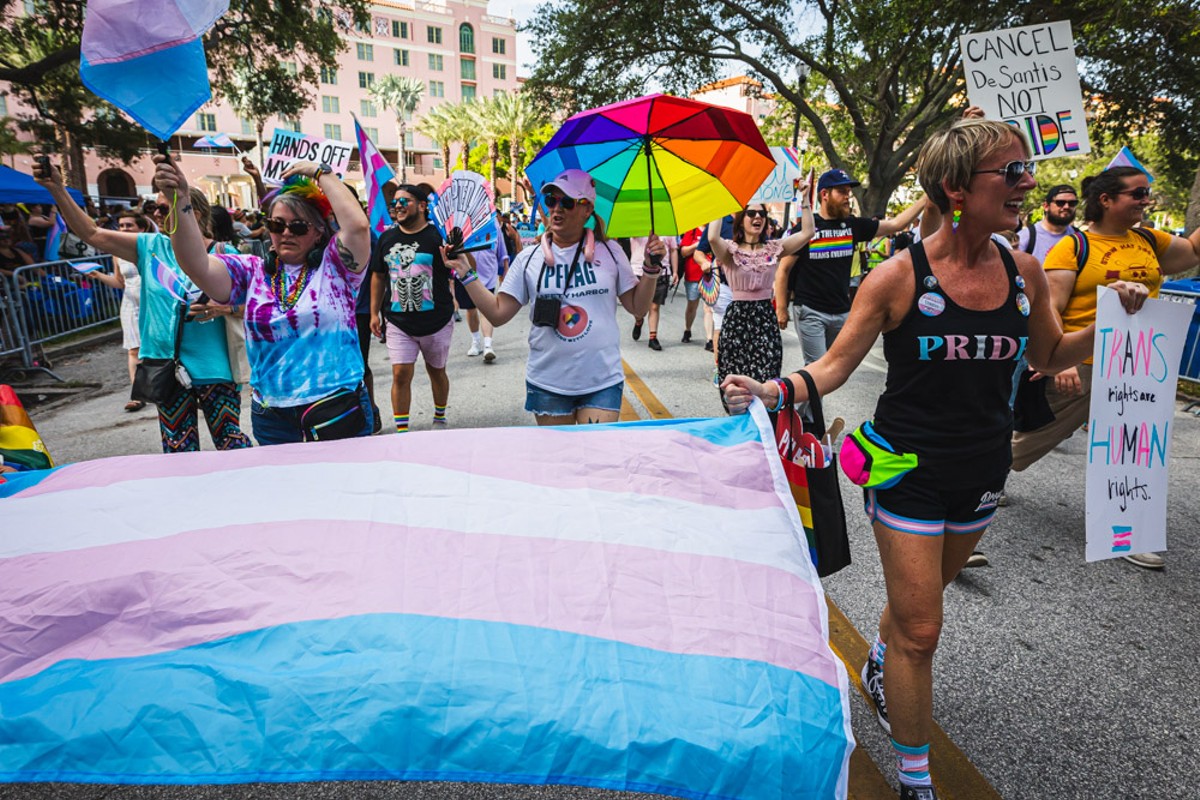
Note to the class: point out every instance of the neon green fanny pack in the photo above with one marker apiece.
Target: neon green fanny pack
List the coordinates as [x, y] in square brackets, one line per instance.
[871, 462]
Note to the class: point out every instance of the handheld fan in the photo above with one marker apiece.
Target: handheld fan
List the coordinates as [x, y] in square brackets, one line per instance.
[464, 213]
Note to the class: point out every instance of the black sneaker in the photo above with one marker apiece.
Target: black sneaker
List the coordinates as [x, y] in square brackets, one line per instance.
[376, 422]
[654, 345]
[637, 331]
[917, 793]
[687, 337]
[708, 345]
[872, 679]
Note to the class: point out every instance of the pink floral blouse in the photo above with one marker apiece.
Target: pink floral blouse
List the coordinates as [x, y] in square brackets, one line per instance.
[753, 273]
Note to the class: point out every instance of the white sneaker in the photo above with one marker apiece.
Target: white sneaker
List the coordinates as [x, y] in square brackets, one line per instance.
[489, 355]
[1146, 560]
[475, 349]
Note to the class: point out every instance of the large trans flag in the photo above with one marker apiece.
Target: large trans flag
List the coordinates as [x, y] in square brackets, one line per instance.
[626, 606]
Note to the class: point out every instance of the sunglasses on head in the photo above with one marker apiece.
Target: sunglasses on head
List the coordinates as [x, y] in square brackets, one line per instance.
[1140, 193]
[554, 201]
[296, 227]
[754, 213]
[1013, 171]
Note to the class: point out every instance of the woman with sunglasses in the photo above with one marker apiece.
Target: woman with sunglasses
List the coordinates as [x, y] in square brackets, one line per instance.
[1115, 202]
[750, 340]
[301, 341]
[574, 279]
[956, 311]
[203, 349]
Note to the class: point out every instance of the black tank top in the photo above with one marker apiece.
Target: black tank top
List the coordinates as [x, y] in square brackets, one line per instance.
[949, 378]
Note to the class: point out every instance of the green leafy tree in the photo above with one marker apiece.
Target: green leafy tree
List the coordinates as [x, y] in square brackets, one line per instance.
[400, 94]
[10, 142]
[517, 118]
[466, 129]
[258, 94]
[440, 125]
[491, 130]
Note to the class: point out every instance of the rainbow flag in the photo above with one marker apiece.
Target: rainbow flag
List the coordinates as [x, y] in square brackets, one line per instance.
[376, 172]
[20, 444]
[624, 606]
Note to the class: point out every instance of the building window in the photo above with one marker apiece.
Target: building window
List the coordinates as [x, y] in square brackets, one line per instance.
[466, 38]
[437, 89]
[331, 105]
[329, 75]
[289, 67]
[410, 139]
[372, 134]
[366, 80]
[401, 58]
[437, 162]
[399, 29]
[499, 93]
[366, 52]
[499, 46]
[3, 106]
[500, 72]
[367, 108]
[468, 92]
[247, 128]
[436, 63]
[468, 68]
[433, 34]
[292, 125]
[206, 122]
[333, 131]
[413, 159]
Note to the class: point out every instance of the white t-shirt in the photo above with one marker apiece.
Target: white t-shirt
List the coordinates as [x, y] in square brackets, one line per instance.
[583, 353]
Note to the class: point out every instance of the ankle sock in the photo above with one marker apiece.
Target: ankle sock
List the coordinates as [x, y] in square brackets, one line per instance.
[401, 421]
[487, 341]
[878, 650]
[912, 764]
[476, 337]
[439, 414]
[653, 334]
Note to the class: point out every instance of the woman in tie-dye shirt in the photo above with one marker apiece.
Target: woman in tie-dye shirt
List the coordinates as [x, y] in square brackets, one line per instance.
[301, 339]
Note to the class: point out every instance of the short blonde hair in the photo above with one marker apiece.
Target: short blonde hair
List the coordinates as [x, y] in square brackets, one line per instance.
[951, 155]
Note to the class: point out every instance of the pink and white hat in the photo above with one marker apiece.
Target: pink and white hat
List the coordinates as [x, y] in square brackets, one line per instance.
[575, 184]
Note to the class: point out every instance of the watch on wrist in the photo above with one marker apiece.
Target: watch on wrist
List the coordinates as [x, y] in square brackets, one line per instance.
[322, 169]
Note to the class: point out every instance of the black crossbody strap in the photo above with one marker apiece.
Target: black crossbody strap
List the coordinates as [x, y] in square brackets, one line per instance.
[814, 402]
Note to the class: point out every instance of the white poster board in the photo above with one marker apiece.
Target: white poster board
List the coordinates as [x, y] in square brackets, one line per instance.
[288, 147]
[1134, 372]
[1028, 78]
[779, 185]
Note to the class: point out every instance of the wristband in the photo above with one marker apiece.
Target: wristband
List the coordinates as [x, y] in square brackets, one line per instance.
[650, 270]
[469, 278]
[779, 383]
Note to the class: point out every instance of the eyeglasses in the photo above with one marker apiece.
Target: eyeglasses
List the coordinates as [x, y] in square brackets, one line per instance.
[296, 227]
[1013, 171]
[1065, 203]
[754, 213]
[1140, 193]
[552, 201]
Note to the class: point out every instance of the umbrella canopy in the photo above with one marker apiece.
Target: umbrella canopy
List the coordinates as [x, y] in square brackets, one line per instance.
[17, 187]
[663, 164]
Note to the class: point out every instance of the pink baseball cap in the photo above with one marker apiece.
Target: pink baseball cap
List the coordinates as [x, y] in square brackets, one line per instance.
[575, 184]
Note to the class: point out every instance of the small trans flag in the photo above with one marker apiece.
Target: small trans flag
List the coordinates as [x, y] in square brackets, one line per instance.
[376, 172]
[54, 238]
[176, 285]
[1126, 158]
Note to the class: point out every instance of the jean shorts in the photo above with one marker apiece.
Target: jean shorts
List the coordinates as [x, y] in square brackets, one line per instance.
[693, 290]
[544, 402]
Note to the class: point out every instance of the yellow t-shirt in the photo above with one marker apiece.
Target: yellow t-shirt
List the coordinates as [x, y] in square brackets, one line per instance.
[1110, 258]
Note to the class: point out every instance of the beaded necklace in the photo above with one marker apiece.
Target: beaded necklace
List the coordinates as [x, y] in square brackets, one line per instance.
[279, 284]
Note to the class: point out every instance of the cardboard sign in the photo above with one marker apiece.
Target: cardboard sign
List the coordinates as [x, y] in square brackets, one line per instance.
[1028, 78]
[288, 147]
[1134, 373]
[780, 184]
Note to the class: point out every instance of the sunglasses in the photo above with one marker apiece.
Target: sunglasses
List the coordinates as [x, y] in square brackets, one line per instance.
[755, 213]
[162, 208]
[1065, 203]
[552, 201]
[1140, 193]
[402, 202]
[1013, 171]
[296, 227]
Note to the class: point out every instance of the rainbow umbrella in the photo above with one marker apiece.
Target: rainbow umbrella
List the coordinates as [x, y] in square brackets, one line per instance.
[663, 164]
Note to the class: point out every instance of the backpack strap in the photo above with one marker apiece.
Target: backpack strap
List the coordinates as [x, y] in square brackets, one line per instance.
[1082, 250]
[1032, 237]
[1148, 237]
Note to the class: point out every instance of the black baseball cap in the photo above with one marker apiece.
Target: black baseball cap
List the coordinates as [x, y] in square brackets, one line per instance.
[1057, 190]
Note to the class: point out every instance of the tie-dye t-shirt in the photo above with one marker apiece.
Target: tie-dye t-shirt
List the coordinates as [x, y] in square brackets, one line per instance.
[304, 353]
[418, 300]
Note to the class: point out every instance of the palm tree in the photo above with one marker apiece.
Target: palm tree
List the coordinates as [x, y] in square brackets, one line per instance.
[466, 123]
[491, 129]
[440, 126]
[516, 118]
[401, 94]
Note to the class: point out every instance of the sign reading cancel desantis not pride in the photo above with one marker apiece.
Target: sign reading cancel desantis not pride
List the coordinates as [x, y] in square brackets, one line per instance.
[288, 147]
[1134, 371]
[1027, 77]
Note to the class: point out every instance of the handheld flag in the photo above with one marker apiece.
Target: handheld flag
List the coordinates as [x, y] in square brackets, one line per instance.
[149, 62]
[1126, 158]
[176, 285]
[376, 172]
[54, 238]
[84, 267]
[20, 444]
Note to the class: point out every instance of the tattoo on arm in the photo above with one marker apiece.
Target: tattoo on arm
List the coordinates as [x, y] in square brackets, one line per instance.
[346, 256]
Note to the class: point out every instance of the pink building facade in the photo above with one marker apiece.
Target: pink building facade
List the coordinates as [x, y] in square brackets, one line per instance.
[458, 50]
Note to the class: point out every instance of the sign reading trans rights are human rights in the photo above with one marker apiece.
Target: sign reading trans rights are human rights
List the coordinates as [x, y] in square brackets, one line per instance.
[1028, 78]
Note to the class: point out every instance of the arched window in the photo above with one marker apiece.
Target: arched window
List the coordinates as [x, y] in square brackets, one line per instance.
[466, 38]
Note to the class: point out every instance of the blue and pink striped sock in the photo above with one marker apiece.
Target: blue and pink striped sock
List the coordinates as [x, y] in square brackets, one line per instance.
[878, 650]
[912, 764]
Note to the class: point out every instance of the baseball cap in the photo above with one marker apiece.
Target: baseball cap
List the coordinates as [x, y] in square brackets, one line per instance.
[1057, 190]
[835, 177]
[575, 184]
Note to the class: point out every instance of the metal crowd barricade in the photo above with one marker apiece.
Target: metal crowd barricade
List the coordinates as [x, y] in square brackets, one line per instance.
[1189, 366]
[54, 299]
[12, 337]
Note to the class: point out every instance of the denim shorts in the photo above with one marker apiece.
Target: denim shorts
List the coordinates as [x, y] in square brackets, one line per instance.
[693, 290]
[544, 402]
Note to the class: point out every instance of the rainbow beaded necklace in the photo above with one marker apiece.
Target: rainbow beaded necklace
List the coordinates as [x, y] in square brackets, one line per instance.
[287, 300]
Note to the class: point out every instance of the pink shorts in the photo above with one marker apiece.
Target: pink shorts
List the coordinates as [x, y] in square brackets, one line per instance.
[403, 349]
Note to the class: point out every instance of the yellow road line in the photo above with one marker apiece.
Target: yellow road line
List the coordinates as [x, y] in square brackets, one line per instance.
[954, 774]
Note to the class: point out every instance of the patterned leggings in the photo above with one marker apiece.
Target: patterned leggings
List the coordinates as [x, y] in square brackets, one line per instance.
[222, 405]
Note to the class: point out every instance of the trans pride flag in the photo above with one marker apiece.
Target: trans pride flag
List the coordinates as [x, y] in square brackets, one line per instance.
[376, 172]
[618, 606]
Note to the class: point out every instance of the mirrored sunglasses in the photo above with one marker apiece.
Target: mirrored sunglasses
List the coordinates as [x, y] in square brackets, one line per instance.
[553, 201]
[1013, 171]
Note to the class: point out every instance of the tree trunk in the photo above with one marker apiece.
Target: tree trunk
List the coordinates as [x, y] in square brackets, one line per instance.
[73, 164]
[1192, 219]
[446, 158]
[514, 166]
[493, 157]
[401, 155]
[466, 155]
[259, 125]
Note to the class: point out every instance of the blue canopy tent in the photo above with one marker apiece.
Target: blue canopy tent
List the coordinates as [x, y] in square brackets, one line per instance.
[17, 187]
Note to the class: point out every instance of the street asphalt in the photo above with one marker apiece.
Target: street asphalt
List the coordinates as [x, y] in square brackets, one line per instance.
[1057, 678]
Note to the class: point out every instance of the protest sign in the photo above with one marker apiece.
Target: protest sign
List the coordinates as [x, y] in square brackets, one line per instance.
[1028, 78]
[288, 147]
[1134, 372]
[779, 185]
